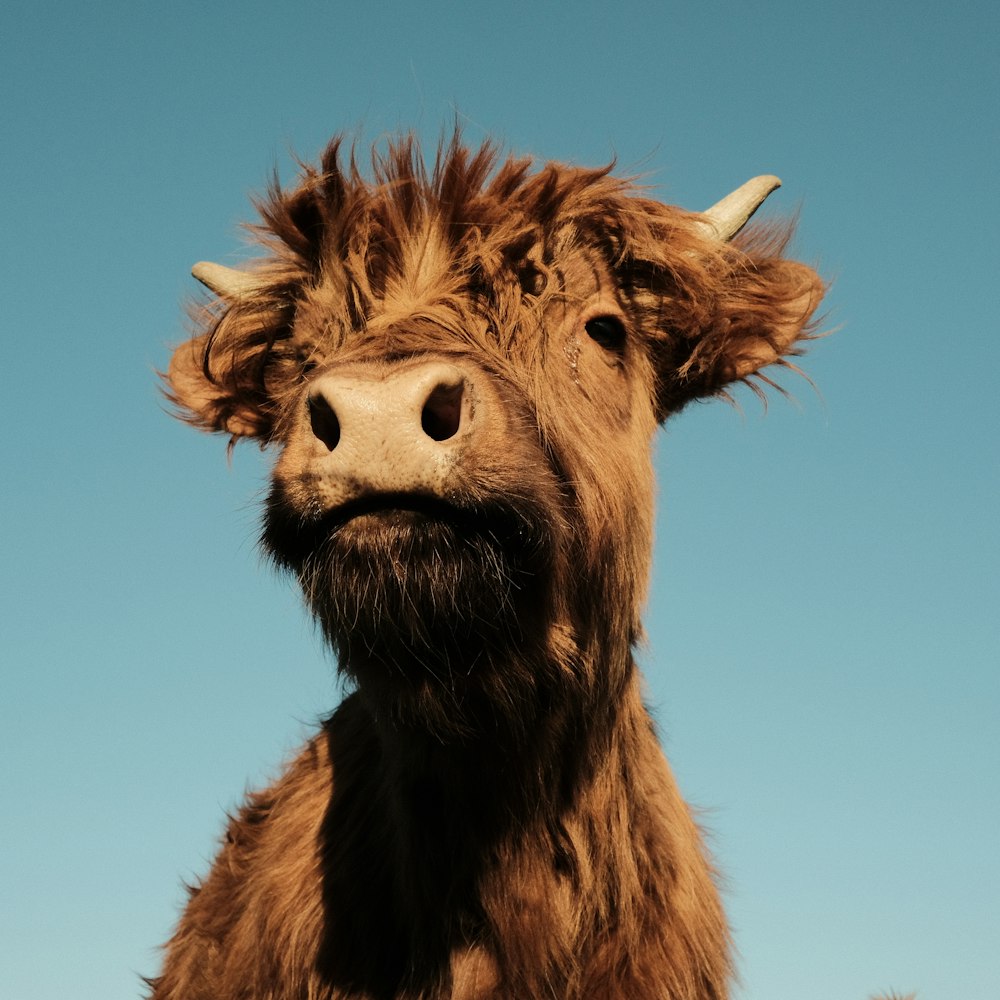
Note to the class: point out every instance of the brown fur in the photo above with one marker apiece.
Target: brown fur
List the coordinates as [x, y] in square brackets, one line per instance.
[488, 814]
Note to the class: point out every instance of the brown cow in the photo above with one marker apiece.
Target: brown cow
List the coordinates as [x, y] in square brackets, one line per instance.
[463, 368]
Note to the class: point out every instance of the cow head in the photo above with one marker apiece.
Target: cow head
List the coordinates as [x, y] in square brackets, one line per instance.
[462, 370]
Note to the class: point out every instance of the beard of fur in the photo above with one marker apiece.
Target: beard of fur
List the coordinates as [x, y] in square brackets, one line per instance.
[439, 621]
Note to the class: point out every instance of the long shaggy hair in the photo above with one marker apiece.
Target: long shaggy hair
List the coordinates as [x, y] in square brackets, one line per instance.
[488, 814]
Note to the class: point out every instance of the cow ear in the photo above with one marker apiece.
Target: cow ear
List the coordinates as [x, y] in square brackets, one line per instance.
[207, 397]
[771, 316]
[759, 315]
[217, 379]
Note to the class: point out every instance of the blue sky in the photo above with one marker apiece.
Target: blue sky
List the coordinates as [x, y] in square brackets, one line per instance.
[823, 625]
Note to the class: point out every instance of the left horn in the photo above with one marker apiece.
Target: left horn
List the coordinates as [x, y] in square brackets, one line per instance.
[727, 217]
[226, 282]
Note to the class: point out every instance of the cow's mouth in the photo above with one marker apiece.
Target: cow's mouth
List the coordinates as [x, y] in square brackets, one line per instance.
[419, 522]
[394, 509]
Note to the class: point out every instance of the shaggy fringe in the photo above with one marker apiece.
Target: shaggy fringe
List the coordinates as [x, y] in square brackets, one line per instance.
[704, 308]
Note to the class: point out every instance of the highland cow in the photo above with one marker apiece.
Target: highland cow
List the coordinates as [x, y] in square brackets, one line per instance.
[462, 368]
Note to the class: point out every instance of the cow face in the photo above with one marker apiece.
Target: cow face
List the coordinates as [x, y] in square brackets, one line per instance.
[462, 373]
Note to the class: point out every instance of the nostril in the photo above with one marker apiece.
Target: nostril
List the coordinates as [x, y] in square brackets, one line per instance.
[441, 417]
[323, 421]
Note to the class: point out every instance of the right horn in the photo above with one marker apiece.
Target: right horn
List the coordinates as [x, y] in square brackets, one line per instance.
[727, 217]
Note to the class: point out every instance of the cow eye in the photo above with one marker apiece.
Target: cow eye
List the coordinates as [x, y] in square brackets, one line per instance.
[607, 331]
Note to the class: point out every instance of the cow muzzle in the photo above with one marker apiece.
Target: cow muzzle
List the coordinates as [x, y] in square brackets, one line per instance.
[397, 431]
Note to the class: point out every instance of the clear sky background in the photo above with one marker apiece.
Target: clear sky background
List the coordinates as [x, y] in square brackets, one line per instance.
[823, 643]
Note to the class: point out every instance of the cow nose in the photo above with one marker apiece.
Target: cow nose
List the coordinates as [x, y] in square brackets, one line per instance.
[420, 410]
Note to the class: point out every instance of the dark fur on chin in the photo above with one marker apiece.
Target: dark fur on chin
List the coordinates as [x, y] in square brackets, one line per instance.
[424, 605]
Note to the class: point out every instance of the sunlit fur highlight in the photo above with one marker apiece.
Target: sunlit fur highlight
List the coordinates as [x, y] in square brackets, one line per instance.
[488, 814]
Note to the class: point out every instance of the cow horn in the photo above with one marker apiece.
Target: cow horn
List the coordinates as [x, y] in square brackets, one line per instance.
[226, 282]
[727, 217]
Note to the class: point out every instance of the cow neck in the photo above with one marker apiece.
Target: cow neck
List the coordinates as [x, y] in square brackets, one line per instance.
[471, 842]
[508, 761]
[507, 780]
